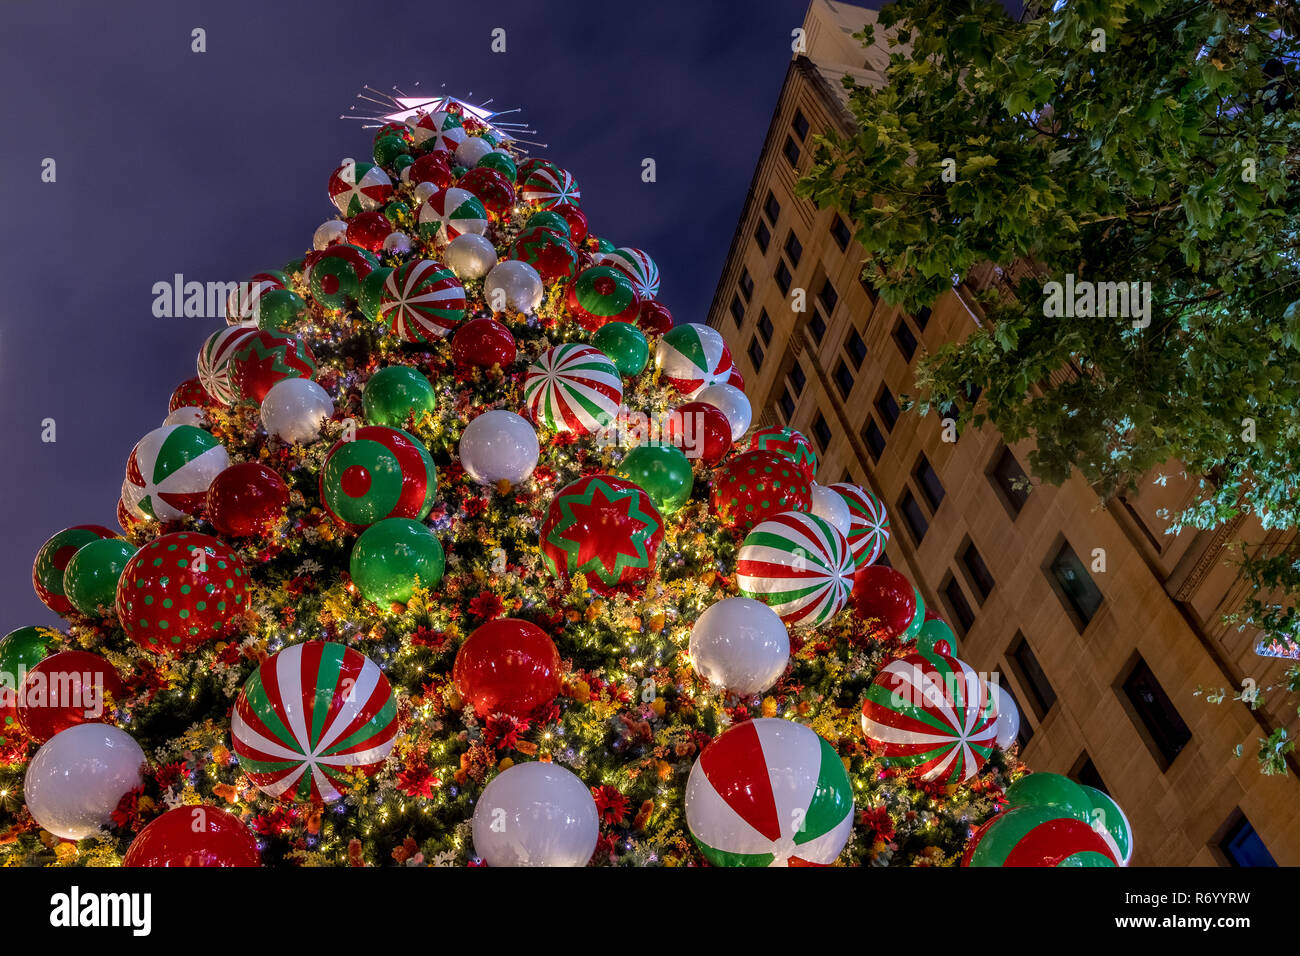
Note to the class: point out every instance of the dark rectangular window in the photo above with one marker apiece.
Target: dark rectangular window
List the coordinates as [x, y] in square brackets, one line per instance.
[856, 348]
[840, 233]
[1033, 678]
[867, 287]
[737, 310]
[783, 277]
[874, 439]
[1085, 772]
[765, 327]
[755, 354]
[787, 404]
[797, 380]
[888, 408]
[1009, 480]
[791, 152]
[817, 325]
[884, 559]
[980, 577]
[746, 284]
[928, 479]
[913, 516]
[843, 379]
[771, 208]
[828, 296]
[1075, 585]
[1243, 847]
[762, 235]
[800, 125]
[958, 605]
[793, 248]
[905, 339]
[1166, 732]
[923, 318]
[822, 432]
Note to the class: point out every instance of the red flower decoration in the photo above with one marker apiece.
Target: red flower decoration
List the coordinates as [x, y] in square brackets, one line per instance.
[486, 606]
[417, 781]
[612, 805]
[502, 731]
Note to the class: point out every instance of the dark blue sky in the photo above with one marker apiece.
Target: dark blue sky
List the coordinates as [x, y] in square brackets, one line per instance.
[215, 165]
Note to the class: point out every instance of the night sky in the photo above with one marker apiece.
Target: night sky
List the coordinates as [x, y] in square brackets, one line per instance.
[215, 165]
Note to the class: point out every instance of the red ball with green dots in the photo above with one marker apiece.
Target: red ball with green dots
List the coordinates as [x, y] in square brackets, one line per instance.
[756, 485]
[182, 590]
[53, 558]
[382, 473]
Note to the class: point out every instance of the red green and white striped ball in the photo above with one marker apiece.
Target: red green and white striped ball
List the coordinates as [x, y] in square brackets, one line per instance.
[265, 358]
[1037, 836]
[382, 473]
[359, 187]
[439, 130]
[573, 388]
[547, 186]
[335, 274]
[422, 301]
[769, 792]
[171, 469]
[692, 357]
[53, 558]
[182, 590]
[640, 268]
[931, 715]
[799, 565]
[868, 524]
[787, 442]
[605, 528]
[601, 294]
[242, 304]
[450, 213]
[755, 485]
[310, 715]
[214, 362]
[548, 251]
[1080, 801]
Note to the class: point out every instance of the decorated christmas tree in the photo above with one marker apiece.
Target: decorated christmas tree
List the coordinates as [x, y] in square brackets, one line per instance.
[457, 551]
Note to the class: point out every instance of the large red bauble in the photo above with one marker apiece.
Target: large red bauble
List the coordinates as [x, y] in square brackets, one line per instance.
[432, 168]
[701, 430]
[491, 187]
[507, 666]
[884, 599]
[575, 217]
[654, 317]
[756, 485]
[246, 499]
[194, 836]
[64, 690]
[189, 394]
[182, 590]
[482, 343]
[368, 230]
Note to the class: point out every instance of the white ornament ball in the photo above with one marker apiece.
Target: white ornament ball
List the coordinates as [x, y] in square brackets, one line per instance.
[470, 256]
[423, 191]
[1008, 722]
[185, 415]
[829, 505]
[740, 644]
[499, 445]
[398, 243]
[513, 286]
[472, 150]
[536, 814]
[328, 233]
[131, 495]
[76, 779]
[732, 402]
[294, 409]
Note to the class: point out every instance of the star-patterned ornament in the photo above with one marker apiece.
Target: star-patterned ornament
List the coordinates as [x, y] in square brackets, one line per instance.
[605, 528]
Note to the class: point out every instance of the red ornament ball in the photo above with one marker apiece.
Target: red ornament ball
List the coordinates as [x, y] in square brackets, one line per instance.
[194, 836]
[654, 317]
[189, 394]
[64, 690]
[246, 500]
[575, 217]
[507, 666]
[265, 358]
[368, 230]
[701, 431]
[482, 343]
[126, 520]
[883, 598]
[756, 485]
[736, 379]
[432, 168]
[491, 187]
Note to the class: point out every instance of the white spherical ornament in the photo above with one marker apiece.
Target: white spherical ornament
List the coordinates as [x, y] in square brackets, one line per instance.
[829, 505]
[470, 256]
[131, 494]
[294, 409]
[423, 191]
[472, 150]
[185, 415]
[328, 233]
[536, 814]
[499, 445]
[740, 644]
[732, 402]
[513, 286]
[76, 779]
[398, 243]
[1008, 722]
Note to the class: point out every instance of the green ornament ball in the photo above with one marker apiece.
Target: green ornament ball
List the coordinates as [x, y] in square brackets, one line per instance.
[279, 310]
[604, 245]
[394, 556]
[90, 579]
[933, 631]
[546, 219]
[458, 171]
[626, 346]
[663, 471]
[23, 649]
[398, 212]
[502, 163]
[388, 148]
[372, 289]
[393, 393]
[401, 162]
[294, 266]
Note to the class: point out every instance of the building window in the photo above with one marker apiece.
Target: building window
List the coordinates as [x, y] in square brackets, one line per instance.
[1010, 481]
[817, 325]
[923, 318]
[905, 339]
[1165, 732]
[840, 233]
[888, 408]
[783, 277]
[791, 152]
[958, 606]
[771, 208]
[874, 439]
[843, 379]
[737, 310]
[1085, 772]
[867, 287]
[822, 433]
[856, 348]
[793, 248]
[1242, 845]
[1038, 689]
[787, 404]
[828, 296]
[746, 284]
[800, 125]
[797, 379]
[762, 235]
[755, 354]
[913, 517]
[977, 571]
[884, 560]
[1074, 585]
[928, 479]
[765, 327]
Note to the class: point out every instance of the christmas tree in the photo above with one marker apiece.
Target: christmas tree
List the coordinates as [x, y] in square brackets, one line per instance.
[458, 551]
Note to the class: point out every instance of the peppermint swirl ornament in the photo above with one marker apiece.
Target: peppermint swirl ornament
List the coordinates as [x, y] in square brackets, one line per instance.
[574, 388]
[171, 468]
[359, 187]
[450, 213]
[382, 473]
[605, 528]
[691, 357]
[214, 362]
[548, 186]
[799, 565]
[422, 301]
[868, 523]
[639, 267]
